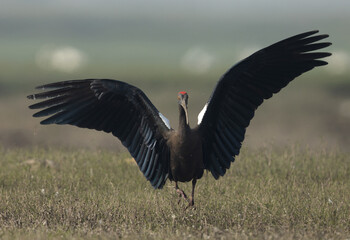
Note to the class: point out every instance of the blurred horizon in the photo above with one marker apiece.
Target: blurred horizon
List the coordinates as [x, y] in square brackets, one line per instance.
[164, 47]
[226, 9]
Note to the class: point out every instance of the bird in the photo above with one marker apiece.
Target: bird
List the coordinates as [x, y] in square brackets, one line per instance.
[183, 155]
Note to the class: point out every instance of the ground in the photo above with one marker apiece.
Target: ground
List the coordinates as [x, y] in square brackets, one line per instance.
[267, 194]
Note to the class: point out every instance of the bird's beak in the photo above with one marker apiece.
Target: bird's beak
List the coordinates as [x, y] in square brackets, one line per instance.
[184, 106]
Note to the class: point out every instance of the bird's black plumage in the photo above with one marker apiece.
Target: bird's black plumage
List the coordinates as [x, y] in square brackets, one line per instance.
[244, 87]
[113, 107]
[160, 152]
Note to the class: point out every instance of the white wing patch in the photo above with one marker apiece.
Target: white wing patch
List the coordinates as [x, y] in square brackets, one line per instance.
[201, 114]
[165, 120]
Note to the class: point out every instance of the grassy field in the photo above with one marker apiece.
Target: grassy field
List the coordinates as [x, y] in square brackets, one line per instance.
[288, 193]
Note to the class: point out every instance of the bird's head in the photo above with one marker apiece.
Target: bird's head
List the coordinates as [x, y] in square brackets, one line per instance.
[182, 98]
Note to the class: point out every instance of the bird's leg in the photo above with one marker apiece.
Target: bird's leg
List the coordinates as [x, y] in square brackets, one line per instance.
[180, 192]
[191, 200]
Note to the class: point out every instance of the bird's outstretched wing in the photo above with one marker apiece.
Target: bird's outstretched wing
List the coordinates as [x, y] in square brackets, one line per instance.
[116, 107]
[224, 119]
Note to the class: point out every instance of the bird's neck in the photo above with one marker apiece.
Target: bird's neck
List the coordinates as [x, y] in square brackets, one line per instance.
[183, 126]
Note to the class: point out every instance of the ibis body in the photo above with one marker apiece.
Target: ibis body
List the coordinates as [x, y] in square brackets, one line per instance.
[161, 152]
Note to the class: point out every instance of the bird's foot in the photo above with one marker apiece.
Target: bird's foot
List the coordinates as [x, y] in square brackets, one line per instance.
[190, 204]
[181, 194]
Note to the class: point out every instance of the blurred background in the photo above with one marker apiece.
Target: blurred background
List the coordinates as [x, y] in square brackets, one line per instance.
[168, 46]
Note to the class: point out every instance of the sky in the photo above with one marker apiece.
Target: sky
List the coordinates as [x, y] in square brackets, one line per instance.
[160, 9]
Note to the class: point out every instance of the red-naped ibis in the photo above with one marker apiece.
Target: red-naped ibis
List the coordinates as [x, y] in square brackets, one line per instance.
[161, 152]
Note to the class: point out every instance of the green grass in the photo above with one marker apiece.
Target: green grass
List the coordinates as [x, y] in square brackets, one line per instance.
[289, 193]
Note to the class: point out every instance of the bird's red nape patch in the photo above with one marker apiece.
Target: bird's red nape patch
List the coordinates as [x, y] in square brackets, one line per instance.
[182, 92]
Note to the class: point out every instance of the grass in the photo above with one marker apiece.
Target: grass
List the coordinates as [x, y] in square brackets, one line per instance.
[59, 193]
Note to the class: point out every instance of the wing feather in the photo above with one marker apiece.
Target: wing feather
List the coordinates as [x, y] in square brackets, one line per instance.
[111, 106]
[243, 88]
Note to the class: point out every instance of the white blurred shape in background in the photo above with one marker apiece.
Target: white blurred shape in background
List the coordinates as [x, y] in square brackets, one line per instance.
[339, 62]
[197, 60]
[64, 59]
